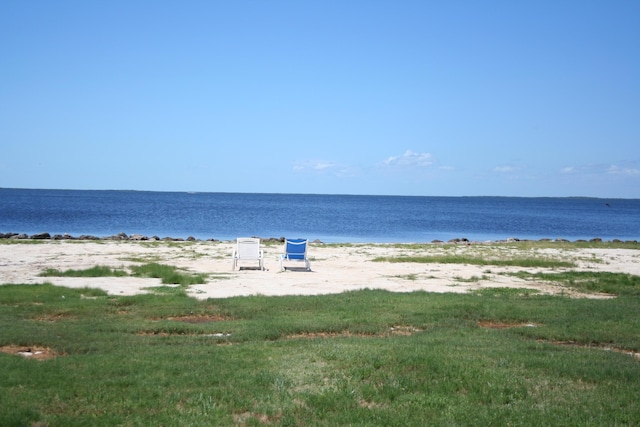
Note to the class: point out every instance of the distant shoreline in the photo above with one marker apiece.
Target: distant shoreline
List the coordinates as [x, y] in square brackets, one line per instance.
[485, 196]
[140, 237]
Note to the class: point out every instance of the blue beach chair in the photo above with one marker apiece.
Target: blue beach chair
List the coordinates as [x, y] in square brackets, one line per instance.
[295, 250]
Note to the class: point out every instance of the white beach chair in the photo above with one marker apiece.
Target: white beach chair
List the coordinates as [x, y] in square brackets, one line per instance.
[247, 249]
[295, 250]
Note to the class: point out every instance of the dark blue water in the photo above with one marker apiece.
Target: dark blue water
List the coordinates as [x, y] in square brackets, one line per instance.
[330, 218]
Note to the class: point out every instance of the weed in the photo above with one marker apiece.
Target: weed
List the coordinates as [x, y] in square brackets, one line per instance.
[168, 274]
[407, 276]
[454, 259]
[587, 281]
[97, 271]
[472, 279]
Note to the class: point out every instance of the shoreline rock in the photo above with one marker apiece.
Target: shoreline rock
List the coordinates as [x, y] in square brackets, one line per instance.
[140, 238]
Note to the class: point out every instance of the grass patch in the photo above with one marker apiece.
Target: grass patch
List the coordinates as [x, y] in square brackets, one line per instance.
[168, 274]
[144, 260]
[492, 357]
[541, 244]
[589, 282]
[97, 271]
[472, 279]
[505, 292]
[411, 277]
[459, 259]
[166, 290]
[25, 241]
[520, 245]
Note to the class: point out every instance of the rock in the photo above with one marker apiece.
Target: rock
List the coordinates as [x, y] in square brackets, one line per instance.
[40, 236]
[459, 240]
[191, 239]
[88, 237]
[119, 236]
[138, 237]
[269, 239]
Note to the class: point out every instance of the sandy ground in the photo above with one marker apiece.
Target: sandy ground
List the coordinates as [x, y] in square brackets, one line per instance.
[335, 269]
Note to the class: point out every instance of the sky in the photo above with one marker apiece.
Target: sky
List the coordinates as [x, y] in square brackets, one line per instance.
[430, 98]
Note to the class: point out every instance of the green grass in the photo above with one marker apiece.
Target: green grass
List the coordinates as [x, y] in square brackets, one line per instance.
[520, 245]
[411, 277]
[590, 282]
[168, 274]
[26, 241]
[472, 260]
[472, 279]
[374, 358]
[97, 271]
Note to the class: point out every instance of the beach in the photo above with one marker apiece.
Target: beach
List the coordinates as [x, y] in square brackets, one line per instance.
[334, 268]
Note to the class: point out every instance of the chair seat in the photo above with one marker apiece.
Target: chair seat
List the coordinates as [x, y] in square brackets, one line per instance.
[295, 250]
[247, 249]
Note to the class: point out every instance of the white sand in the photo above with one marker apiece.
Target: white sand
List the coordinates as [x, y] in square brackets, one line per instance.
[334, 269]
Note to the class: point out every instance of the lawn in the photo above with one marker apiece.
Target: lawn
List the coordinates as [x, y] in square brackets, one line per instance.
[365, 358]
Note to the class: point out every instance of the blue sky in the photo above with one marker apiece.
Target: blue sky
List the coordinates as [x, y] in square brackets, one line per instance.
[452, 98]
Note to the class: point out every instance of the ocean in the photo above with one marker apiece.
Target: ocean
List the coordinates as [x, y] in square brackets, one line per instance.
[328, 218]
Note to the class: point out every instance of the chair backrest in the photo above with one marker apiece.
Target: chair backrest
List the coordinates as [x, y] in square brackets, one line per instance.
[248, 248]
[295, 248]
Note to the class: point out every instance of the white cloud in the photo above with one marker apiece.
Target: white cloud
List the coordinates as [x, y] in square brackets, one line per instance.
[628, 169]
[410, 158]
[312, 165]
[507, 169]
[322, 167]
[617, 170]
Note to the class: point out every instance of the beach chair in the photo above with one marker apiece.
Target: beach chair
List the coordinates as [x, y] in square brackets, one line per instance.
[247, 249]
[295, 250]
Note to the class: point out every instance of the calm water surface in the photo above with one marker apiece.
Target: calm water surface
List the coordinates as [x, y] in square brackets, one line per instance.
[330, 218]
